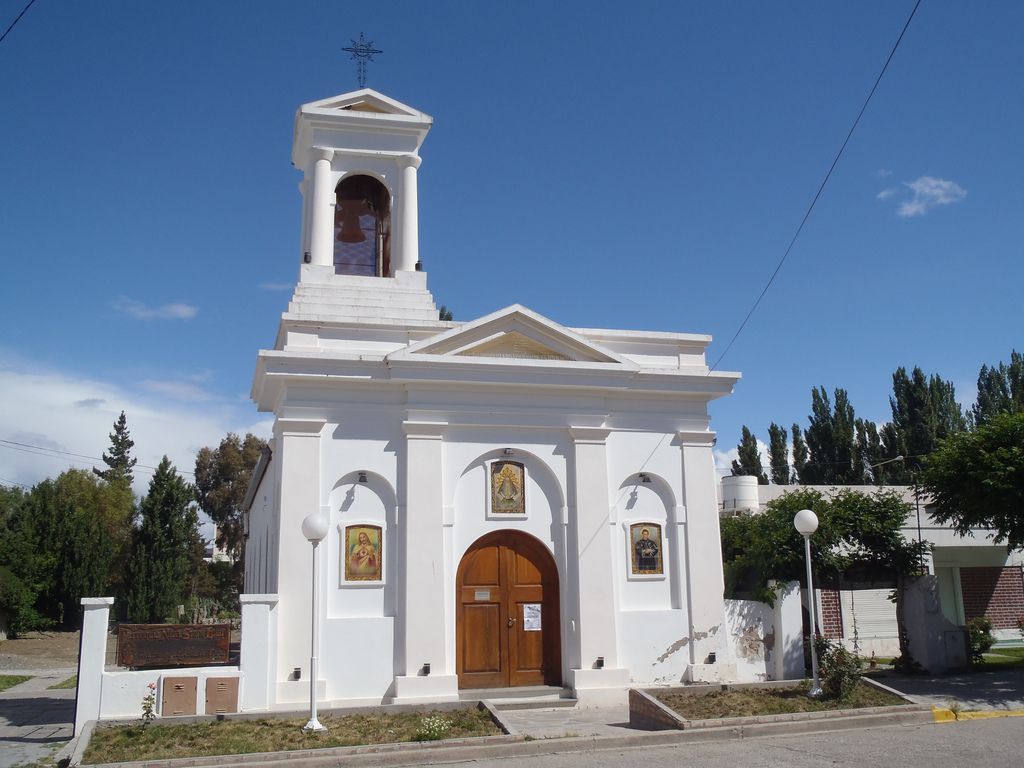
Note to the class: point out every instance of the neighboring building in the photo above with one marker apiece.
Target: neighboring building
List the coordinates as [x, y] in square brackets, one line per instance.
[511, 501]
[974, 576]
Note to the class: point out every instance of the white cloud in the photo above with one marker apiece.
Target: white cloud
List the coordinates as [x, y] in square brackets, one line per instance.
[179, 390]
[883, 173]
[48, 407]
[276, 286]
[138, 310]
[919, 196]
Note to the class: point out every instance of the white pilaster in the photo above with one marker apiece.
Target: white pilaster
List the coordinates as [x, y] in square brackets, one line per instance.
[259, 652]
[298, 445]
[91, 658]
[706, 586]
[322, 218]
[408, 216]
[425, 618]
[592, 532]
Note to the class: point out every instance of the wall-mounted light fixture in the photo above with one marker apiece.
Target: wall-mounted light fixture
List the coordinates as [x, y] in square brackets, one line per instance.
[362, 477]
[426, 668]
[644, 477]
[305, 258]
[599, 664]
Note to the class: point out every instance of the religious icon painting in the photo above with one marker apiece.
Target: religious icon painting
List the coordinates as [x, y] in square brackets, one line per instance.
[508, 496]
[363, 553]
[645, 546]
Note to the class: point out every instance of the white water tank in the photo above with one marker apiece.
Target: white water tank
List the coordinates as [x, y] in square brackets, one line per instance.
[739, 495]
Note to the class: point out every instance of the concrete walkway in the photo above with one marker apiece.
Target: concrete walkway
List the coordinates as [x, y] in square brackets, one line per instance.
[35, 721]
[559, 722]
[995, 690]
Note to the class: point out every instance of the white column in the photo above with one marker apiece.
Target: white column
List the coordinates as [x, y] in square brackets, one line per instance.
[424, 620]
[91, 658]
[705, 583]
[258, 661]
[596, 607]
[321, 240]
[408, 216]
[297, 443]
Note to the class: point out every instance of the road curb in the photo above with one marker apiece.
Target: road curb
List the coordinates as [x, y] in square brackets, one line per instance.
[946, 715]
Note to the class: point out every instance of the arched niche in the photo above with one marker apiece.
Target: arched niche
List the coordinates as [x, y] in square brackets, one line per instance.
[645, 501]
[362, 499]
[362, 227]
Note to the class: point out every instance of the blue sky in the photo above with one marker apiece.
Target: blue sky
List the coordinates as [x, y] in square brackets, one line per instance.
[637, 165]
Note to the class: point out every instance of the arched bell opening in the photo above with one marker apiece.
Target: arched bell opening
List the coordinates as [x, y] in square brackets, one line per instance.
[362, 227]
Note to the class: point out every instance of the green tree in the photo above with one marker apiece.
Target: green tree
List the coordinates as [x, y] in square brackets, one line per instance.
[924, 411]
[163, 547]
[119, 461]
[867, 454]
[800, 455]
[778, 454]
[856, 533]
[222, 478]
[1000, 390]
[444, 313]
[749, 461]
[830, 440]
[976, 479]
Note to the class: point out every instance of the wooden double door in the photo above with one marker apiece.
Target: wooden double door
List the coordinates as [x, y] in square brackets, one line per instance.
[507, 618]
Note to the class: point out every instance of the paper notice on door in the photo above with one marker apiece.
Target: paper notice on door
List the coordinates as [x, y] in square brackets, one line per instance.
[531, 617]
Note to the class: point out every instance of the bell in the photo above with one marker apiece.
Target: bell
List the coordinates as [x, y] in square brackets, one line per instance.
[347, 214]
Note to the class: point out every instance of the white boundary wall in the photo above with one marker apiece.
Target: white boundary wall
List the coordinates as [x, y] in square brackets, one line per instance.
[112, 695]
[767, 640]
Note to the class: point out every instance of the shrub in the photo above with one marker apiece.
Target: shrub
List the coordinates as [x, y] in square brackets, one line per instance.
[840, 669]
[979, 634]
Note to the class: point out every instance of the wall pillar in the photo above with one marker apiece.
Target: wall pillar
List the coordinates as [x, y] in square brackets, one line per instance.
[298, 445]
[321, 241]
[258, 662]
[421, 529]
[788, 629]
[596, 607]
[408, 216]
[91, 659]
[705, 582]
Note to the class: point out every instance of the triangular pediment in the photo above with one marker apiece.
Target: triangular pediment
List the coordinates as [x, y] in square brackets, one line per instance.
[514, 333]
[364, 100]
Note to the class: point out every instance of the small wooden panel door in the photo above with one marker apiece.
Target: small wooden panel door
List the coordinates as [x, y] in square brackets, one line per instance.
[507, 621]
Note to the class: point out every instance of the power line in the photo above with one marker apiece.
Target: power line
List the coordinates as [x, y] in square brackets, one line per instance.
[17, 19]
[12, 482]
[35, 450]
[821, 188]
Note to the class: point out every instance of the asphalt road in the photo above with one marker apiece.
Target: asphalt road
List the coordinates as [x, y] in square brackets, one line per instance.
[996, 743]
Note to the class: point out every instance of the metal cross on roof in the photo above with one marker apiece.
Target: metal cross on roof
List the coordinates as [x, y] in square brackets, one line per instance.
[362, 51]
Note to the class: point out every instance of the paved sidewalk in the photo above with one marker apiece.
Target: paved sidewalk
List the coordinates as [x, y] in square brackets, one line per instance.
[35, 721]
[995, 690]
[558, 722]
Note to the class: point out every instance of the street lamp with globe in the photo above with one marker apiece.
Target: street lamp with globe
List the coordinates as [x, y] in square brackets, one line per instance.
[806, 523]
[314, 528]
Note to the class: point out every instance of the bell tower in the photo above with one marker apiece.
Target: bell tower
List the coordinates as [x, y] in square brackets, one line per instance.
[359, 153]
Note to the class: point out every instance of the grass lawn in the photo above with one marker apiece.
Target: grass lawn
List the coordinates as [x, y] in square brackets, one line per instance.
[231, 737]
[71, 682]
[750, 702]
[9, 681]
[1001, 658]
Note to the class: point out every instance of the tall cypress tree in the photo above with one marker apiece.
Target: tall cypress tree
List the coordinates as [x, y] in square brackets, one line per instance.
[1000, 390]
[778, 454]
[119, 461]
[749, 461]
[800, 455]
[163, 545]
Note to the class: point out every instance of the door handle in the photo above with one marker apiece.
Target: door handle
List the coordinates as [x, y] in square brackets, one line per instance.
[511, 621]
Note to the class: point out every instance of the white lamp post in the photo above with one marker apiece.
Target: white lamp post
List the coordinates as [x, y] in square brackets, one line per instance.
[806, 523]
[314, 528]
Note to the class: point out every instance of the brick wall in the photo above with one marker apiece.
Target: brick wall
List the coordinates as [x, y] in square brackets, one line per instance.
[997, 593]
[831, 614]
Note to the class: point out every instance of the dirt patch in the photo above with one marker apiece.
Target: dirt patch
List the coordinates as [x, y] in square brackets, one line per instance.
[40, 650]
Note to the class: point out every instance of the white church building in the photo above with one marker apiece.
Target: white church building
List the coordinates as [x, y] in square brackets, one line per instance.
[511, 502]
